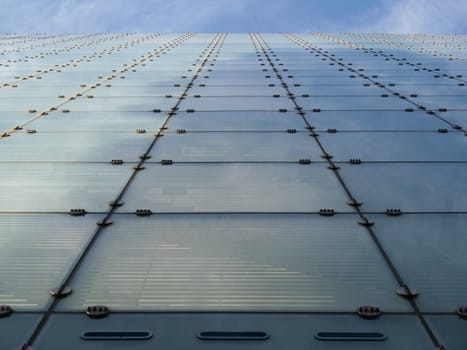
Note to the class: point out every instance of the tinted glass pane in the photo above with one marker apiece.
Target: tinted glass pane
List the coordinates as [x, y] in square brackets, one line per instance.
[237, 103]
[99, 121]
[60, 187]
[235, 263]
[238, 121]
[75, 147]
[450, 329]
[352, 103]
[122, 104]
[409, 187]
[239, 146]
[235, 187]
[456, 117]
[429, 252]
[36, 252]
[16, 329]
[393, 146]
[374, 120]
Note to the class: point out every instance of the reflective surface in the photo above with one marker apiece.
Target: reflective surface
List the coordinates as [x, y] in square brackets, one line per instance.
[247, 214]
[235, 188]
[238, 146]
[410, 187]
[60, 187]
[393, 146]
[240, 262]
[435, 242]
[450, 329]
[237, 121]
[36, 252]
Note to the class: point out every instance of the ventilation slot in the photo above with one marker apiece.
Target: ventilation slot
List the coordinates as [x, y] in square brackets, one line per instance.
[233, 336]
[116, 335]
[350, 336]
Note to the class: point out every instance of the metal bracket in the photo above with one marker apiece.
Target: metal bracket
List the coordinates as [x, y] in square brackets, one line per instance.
[104, 222]
[393, 212]
[407, 292]
[143, 212]
[326, 212]
[77, 212]
[5, 311]
[369, 312]
[61, 292]
[365, 222]
[462, 312]
[97, 311]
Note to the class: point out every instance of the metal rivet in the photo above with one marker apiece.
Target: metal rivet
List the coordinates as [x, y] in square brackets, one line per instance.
[61, 292]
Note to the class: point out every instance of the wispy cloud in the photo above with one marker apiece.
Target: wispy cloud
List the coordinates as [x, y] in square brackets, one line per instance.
[86, 16]
[418, 16]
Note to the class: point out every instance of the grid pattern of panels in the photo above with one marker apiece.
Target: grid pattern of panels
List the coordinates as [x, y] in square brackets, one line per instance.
[233, 174]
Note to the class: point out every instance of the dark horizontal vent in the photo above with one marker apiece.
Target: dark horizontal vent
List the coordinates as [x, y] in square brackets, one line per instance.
[350, 336]
[116, 335]
[233, 336]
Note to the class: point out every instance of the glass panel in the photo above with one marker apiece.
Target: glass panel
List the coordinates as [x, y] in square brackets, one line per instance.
[353, 103]
[180, 330]
[374, 120]
[60, 187]
[237, 103]
[451, 331]
[143, 90]
[74, 147]
[337, 90]
[238, 146]
[237, 121]
[122, 104]
[456, 117]
[8, 120]
[237, 90]
[434, 90]
[241, 262]
[100, 121]
[25, 104]
[46, 91]
[16, 329]
[429, 252]
[449, 102]
[409, 187]
[36, 252]
[393, 146]
[235, 188]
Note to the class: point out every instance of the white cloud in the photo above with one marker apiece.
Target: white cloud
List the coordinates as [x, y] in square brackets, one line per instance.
[419, 16]
[85, 16]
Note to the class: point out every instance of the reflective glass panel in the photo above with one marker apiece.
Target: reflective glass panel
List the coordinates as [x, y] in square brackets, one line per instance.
[374, 120]
[235, 188]
[410, 187]
[396, 146]
[36, 252]
[241, 262]
[60, 187]
[236, 146]
[237, 121]
[429, 252]
[74, 147]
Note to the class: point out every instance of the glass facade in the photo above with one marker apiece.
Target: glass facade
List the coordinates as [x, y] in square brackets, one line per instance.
[253, 191]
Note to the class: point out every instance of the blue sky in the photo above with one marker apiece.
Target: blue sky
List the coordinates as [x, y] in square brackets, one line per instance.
[85, 16]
